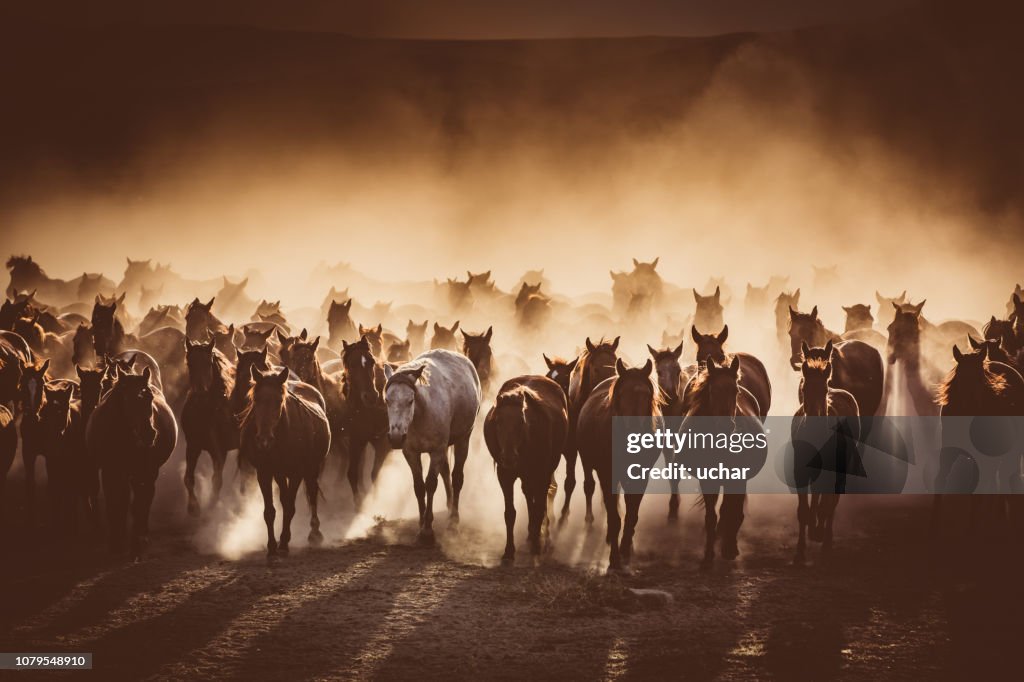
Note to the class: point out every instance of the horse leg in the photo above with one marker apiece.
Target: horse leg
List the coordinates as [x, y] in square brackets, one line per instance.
[266, 482]
[356, 452]
[710, 526]
[549, 512]
[192, 452]
[116, 496]
[570, 483]
[803, 511]
[611, 504]
[312, 499]
[830, 503]
[507, 481]
[941, 478]
[673, 502]
[289, 487]
[589, 485]
[814, 532]
[219, 456]
[632, 515]
[143, 489]
[446, 481]
[536, 498]
[416, 467]
[458, 472]
[28, 460]
[437, 459]
[731, 520]
[380, 454]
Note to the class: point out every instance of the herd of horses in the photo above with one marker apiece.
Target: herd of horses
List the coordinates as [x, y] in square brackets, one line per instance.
[101, 394]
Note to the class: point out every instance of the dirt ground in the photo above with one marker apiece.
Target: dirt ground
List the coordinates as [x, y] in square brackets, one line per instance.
[886, 604]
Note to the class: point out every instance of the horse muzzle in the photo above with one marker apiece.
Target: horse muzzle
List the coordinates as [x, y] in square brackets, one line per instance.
[396, 439]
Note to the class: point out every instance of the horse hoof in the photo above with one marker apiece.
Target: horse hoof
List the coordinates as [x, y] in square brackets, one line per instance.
[814, 534]
[619, 569]
[426, 537]
[283, 549]
[673, 519]
[707, 563]
[730, 552]
[316, 538]
[508, 559]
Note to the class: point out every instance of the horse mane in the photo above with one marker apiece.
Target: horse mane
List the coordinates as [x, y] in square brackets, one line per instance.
[953, 384]
[656, 400]
[513, 396]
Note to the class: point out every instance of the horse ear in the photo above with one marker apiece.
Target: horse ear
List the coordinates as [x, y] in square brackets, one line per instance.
[547, 360]
[282, 376]
[974, 344]
[814, 313]
[418, 372]
[792, 313]
[678, 351]
[146, 373]
[388, 372]
[846, 310]
[120, 299]
[636, 263]
[804, 349]
[303, 334]
[724, 334]
[903, 296]
[993, 320]
[454, 326]
[615, 343]
[709, 362]
[696, 296]
[796, 296]
[957, 355]
[282, 339]
[651, 350]
[648, 366]
[654, 263]
[919, 307]
[98, 299]
[437, 328]
[489, 334]
[464, 334]
[243, 282]
[734, 366]
[572, 365]
[316, 342]
[590, 345]
[718, 294]
[828, 349]
[45, 366]
[209, 304]
[79, 372]
[694, 334]
[620, 366]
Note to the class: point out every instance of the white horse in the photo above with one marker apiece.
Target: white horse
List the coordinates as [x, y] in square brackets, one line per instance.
[433, 403]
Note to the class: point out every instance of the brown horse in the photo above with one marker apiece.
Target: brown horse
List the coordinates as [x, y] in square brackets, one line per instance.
[375, 337]
[533, 309]
[340, 326]
[8, 447]
[444, 337]
[977, 387]
[285, 438]
[32, 381]
[887, 306]
[753, 375]
[366, 418]
[856, 366]
[107, 330]
[904, 347]
[477, 347]
[417, 336]
[560, 371]
[716, 392]
[709, 310]
[400, 352]
[783, 304]
[595, 364]
[672, 379]
[200, 321]
[525, 433]
[630, 393]
[130, 435]
[832, 412]
[72, 481]
[1004, 332]
[207, 421]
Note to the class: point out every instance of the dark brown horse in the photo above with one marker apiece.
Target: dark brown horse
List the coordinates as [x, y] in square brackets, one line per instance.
[285, 438]
[533, 309]
[856, 366]
[200, 322]
[629, 393]
[977, 387]
[1004, 332]
[783, 304]
[107, 330]
[366, 419]
[31, 397]
[207, 421]
[560, 371]
[131, 434]
[887, 307]
[375, 337]
[525, 434]
[753, 375]
[830, 416]
[716, 392]
[595, 364]
[477, 347]
[904, 347]
[444, 337]
[72, 480]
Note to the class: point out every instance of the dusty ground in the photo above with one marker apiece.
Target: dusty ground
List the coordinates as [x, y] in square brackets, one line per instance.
[383, 607]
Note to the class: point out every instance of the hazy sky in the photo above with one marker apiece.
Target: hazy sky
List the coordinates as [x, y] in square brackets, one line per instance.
[473, 18]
